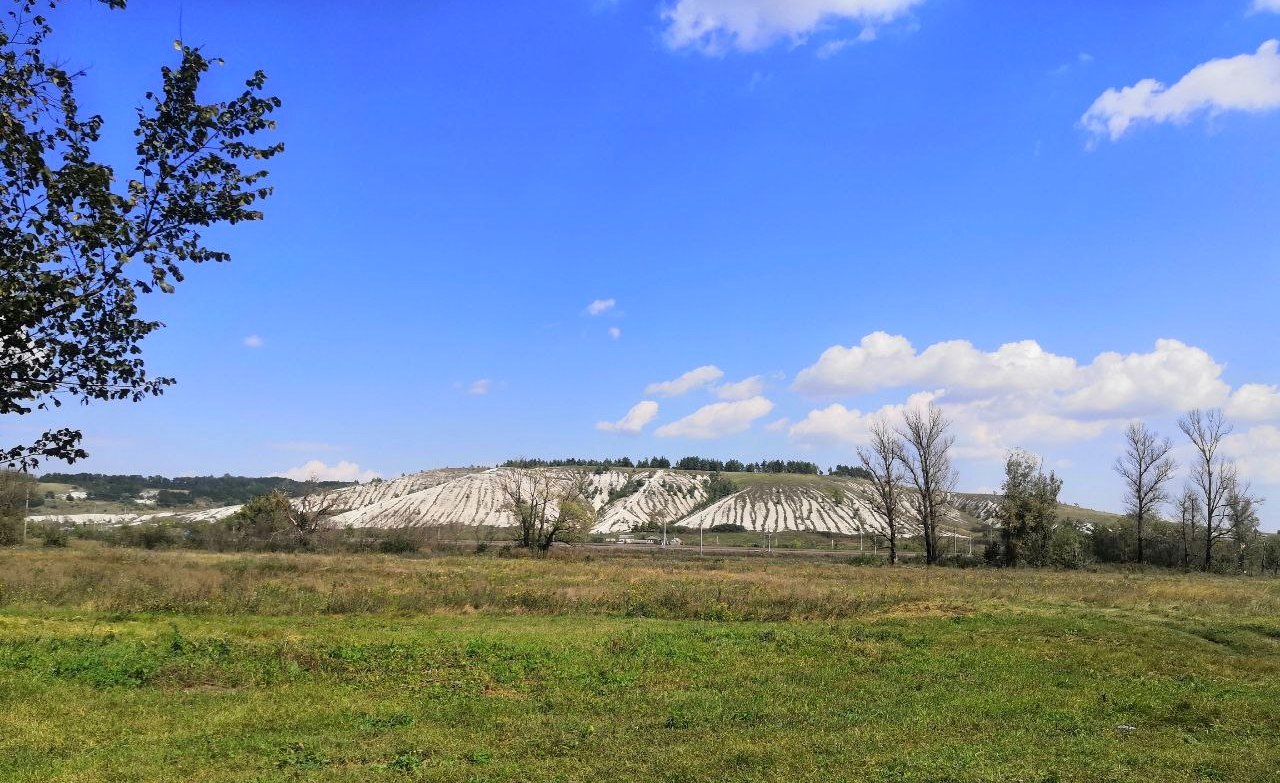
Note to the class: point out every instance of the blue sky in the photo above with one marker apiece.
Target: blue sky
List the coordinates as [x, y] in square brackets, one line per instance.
[751, 183]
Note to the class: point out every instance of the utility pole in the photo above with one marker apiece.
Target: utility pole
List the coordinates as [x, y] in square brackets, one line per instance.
[700, 529]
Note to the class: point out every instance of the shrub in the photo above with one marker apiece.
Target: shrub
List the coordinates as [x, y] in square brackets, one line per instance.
[397, 544]
[53, 535]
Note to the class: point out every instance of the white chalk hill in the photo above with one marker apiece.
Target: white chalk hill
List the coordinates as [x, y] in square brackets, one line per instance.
[622, 499]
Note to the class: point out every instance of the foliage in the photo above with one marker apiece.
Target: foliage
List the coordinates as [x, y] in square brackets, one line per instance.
[80, 244]
[224, 490]
[547, 509]
[850, 471]
[1028, 511]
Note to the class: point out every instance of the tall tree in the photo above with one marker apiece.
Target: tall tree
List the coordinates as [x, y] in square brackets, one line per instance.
[1242, 520]
[1028, 509]
[926, 454]
[81, 245]
[881, 460]
[1146, 468]
[1212, 475]
[1189, 515]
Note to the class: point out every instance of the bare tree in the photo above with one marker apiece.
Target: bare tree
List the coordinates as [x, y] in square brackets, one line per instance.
[1212, 475]
[547, 507]
[926, 454]
[882, 460]
[1146, 468]
[1189, 515]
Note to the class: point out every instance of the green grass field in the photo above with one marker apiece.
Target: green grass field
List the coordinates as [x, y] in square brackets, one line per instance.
[127, 665]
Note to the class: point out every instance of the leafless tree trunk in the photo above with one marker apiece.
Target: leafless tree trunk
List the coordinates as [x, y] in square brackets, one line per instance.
[1189, 513]
[882, 461]
[1146, 468]
[1212, 475]
[926, 454]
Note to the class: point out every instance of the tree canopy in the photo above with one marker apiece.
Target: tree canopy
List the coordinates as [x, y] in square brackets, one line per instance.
[81, 244]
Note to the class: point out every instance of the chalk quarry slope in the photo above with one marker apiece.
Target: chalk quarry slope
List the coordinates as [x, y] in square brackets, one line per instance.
[628, 497]
[622, 498]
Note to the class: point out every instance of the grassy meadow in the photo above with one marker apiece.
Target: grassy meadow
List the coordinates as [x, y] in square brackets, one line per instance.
[123, 664]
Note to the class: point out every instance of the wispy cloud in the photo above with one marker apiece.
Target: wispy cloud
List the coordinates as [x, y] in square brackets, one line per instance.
[615, 332]
[1244, 83]
[601, 306]
[634, 421]
[716, 26]
[254, 341]
[740, 390]
[694, 379]
[480, 386]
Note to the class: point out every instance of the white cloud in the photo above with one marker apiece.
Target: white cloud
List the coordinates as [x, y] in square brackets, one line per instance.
[1173, 376]
[1246, 82]
[740, 390]
[1255, 401]
[883, 360]
[1257, 452]
[718, 419]
[254, 341]
[832, 424]
[316, 470]
[849, 426]
[615, 332]
[1264, 6]
[480, 386]
[832, 48]
[694, 379]
[714, 26]
[601, 306]
[778, 425]
[640, 414]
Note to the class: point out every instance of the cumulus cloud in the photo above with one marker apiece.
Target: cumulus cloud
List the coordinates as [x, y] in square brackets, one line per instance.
[984, 429]
[1255, 401]
[601, 306]
[850, 426]
[715, 26]
[1246, 82]
[884, 360]
[694, 379]
[615, 332]
[1173, 376]
[740, 390]
[778, 425]
[254, 341]
[479, 386]
[640, 415]
[316, 470]
[1257, 452]
[718, 419]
